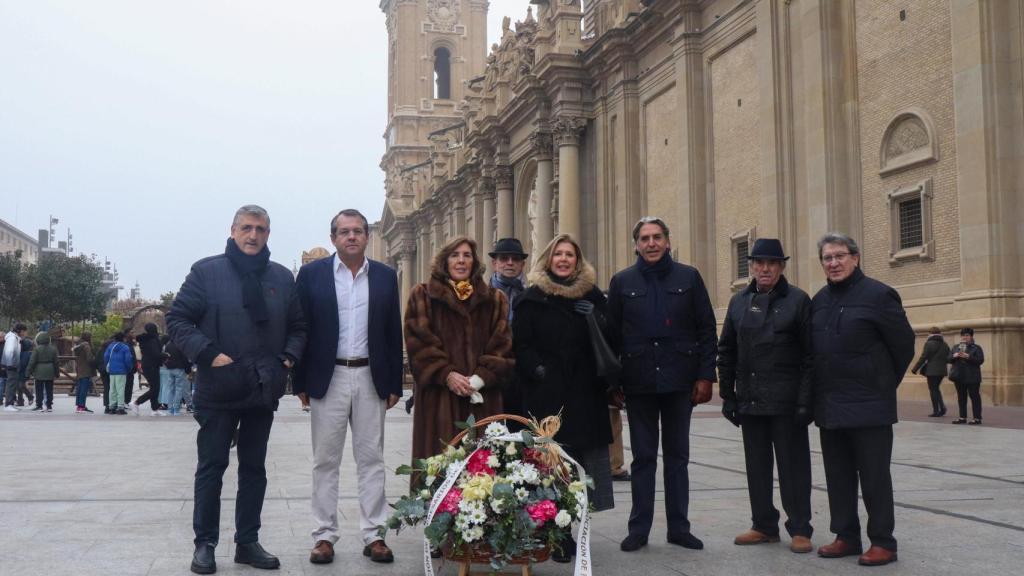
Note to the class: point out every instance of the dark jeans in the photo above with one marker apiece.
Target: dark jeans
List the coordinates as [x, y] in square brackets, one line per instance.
[82, 391]
[44, 387]
[972, 390]
[105, 380]
[938, 405]
[216, 428]
[673, 410]
[152, 374]
[129, 385]
[762, 435]
[864, 452]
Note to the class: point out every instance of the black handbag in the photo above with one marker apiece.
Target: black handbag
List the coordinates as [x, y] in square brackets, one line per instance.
[606, 361]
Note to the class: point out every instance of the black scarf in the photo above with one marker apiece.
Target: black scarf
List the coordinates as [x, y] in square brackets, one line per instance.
[251, 269]
[657, 324]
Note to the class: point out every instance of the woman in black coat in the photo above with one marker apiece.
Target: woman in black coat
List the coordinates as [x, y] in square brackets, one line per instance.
[555, 359]
[932, 364]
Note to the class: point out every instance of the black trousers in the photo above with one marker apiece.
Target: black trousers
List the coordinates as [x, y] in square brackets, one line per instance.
[152, 374]
[216, 428]
[933, 390]
[972, 390]
[763, 438]
[673, 411]
[105, 380]
[44, 388]
[129, 386]
[863, 453]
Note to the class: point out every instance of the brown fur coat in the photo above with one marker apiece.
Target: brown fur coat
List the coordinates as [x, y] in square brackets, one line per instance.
[443, 334]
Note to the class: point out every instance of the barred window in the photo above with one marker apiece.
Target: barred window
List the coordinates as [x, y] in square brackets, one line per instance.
[910, 223]
[742, 264]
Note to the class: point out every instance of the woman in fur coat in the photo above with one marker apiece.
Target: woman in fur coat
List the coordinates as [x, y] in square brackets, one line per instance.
[555, 360]
[459, 345]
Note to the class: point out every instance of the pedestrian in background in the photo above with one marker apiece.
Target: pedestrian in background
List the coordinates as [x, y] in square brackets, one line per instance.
[24, 390]
[11, 364]
[152, 359]
[966, 359]
[173, 376]
[85, 371]
[932, 363]
[101, 368]
[129, 380]
[119, 362]
[42, 366]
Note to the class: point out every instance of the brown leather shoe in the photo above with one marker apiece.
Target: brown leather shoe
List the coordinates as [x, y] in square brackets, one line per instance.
[322, 553]
[838, 549]
[754, 537]
[801, 545]
[378, 551]
[877, 556]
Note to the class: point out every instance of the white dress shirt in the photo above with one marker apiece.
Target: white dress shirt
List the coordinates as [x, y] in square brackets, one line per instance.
[353, 295]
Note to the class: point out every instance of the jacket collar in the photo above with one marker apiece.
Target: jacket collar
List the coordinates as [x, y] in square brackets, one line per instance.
[850, 280]
[578, 289]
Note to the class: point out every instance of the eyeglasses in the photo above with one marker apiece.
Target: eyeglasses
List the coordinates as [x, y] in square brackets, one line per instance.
[841, 257]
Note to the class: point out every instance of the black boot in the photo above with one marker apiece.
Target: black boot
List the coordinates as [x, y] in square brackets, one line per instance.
[202, 560]
[254, 555]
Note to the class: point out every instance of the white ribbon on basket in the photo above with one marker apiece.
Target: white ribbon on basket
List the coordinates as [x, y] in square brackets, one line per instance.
[583, 565]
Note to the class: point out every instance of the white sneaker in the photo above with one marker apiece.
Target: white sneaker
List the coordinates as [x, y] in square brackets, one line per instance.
[10, 409]
[133, 408]
[159, 413]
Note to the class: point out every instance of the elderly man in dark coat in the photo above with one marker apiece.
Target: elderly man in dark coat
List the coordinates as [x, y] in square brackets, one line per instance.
[665, 326]
[765, 369]
[238, 317]
[863, 345]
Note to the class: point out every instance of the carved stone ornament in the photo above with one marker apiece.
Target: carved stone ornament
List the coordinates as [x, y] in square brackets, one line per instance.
[503, 177]
[568, 130]
[444, 14]
[909, 140]
[541, 144]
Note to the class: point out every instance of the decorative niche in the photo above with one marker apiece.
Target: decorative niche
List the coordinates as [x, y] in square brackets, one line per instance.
[909, 140]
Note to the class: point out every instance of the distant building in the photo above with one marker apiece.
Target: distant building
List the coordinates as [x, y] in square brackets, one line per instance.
[12, 240]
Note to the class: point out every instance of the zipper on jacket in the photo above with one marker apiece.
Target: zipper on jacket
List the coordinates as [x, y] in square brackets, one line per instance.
[839, 320]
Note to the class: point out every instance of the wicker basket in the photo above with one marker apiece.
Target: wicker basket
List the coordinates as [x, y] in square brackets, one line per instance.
[482, 553]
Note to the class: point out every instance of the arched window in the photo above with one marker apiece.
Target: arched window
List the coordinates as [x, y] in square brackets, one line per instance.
[442, 74]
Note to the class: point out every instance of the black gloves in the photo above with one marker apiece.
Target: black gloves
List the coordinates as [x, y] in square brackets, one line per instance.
[803, 416]
[583, 307]
[539, 372]
[731, 413]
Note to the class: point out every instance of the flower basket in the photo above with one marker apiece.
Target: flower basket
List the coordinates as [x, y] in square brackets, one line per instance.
[496, 498]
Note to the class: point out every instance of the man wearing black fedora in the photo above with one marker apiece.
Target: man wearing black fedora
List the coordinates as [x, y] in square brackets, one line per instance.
[765, 371]
[508, 261]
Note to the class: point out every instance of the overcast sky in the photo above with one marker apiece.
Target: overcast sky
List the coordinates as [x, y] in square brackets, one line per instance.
[143, 125]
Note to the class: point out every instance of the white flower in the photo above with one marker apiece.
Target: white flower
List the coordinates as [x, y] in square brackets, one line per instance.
[562, 519]
[495, 429]
[493, 461]
[425, 494]
[496, 505]
[473, 534]
[450, 470]
[522, 494]
[576, 487]
[472, 508]
[510, 449]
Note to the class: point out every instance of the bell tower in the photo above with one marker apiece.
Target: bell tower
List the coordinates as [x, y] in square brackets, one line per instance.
[434, 48]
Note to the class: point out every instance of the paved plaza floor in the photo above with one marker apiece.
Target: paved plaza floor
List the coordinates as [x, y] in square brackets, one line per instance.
[112, 495]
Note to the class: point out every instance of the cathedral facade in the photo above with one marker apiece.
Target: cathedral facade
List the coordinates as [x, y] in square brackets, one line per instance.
[900, 124]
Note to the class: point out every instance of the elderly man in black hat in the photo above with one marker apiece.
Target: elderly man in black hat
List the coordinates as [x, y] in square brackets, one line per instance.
[765, 370]
[508, 261]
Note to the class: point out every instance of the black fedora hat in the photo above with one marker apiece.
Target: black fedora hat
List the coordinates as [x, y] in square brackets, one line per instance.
[508, 246]
[767, 249]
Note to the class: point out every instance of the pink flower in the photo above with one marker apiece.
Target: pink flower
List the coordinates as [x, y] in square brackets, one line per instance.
[477, 463]
[542, 512]
[450, 503]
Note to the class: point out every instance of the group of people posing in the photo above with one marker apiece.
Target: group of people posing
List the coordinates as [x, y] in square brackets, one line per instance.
[544, 343]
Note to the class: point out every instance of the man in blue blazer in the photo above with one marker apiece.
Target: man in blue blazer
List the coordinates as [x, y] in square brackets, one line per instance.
[351, 373]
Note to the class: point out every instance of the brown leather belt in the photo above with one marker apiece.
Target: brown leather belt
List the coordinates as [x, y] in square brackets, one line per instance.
[352, 362]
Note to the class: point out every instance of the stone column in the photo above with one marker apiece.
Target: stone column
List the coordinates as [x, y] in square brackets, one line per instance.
[506, 200]
[406, 260]
[425, 251]
[487, 193]
[567, 136]
[541, 142]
